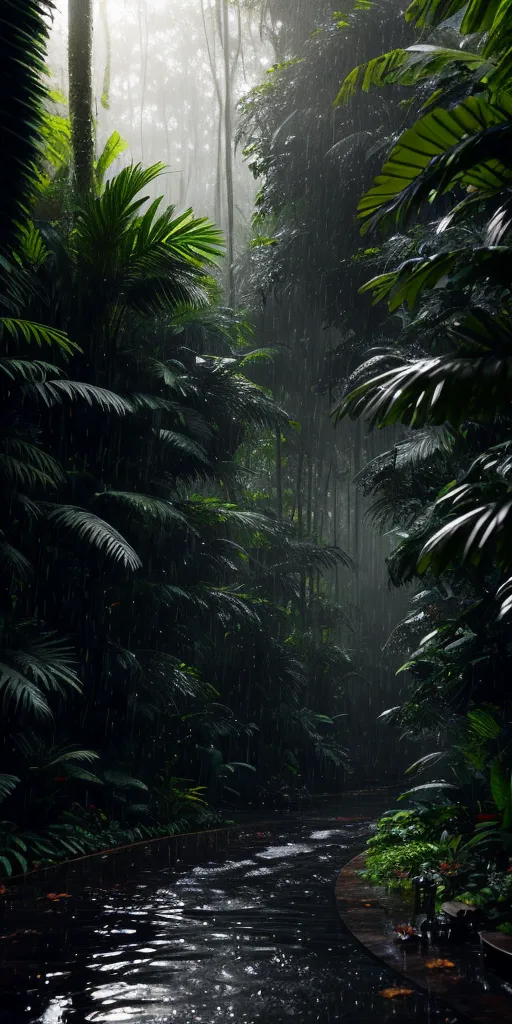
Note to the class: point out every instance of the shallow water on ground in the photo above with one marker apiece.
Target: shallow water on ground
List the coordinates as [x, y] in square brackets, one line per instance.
[252, 937]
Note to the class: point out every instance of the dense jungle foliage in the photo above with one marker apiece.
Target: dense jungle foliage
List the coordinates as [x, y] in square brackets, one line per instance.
[167, 647]
[182, 630]
[443, 194]
[418, 146]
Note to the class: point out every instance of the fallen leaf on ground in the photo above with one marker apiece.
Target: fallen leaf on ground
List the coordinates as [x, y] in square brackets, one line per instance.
[394, 993]
[18, 934]
[439, 964]
[56, 896]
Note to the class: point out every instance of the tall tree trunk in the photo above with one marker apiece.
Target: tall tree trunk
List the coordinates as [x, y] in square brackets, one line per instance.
[279, 474]
[335, 530]
[358, 449]
[228, 141]
[300, 531]
[212, 58]
[81, 95]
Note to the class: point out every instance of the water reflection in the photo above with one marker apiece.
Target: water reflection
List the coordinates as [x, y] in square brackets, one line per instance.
[253, 939]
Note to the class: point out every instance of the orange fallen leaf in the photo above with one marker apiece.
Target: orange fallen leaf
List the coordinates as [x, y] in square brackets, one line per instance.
[394, 993]
[439, 964]
[56, 896]
[3, 890]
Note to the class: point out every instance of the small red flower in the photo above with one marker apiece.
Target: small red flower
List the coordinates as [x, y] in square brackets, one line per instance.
[92, 807]
[447, 868]
[405, 929]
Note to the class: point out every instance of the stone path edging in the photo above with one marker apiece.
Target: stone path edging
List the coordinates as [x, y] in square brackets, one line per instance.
[370, 914]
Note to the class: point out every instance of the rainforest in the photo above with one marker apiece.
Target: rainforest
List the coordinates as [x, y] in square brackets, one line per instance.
[255, 427]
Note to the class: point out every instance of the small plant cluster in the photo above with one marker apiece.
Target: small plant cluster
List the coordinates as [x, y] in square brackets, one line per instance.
[87, 830]
[84, 831]
[466, 859]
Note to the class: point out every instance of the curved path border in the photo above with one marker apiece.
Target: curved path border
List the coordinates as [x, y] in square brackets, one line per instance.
[370, 914]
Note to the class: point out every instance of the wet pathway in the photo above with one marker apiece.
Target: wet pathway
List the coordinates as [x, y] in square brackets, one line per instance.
[251, 938]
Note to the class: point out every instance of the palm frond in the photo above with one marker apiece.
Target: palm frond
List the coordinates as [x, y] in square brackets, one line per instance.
[26, 464]
[120, 780]
[39, 334]
[148, 507]
[313, 556]
[24, 38]
[53, 391]
[8, 784]
[14, 561]
[21, 692]
[423, 445]
[172, 677]
[181, 444]
[46, 660]
[435, 391]
[87, 527]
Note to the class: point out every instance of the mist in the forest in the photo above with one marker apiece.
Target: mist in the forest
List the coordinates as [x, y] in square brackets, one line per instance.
[159, 73]
[164, 79]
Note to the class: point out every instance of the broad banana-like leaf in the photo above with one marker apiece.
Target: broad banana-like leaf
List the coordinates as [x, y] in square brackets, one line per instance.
[459, 268]
[468, 144]
[479, 14]
[407, 67]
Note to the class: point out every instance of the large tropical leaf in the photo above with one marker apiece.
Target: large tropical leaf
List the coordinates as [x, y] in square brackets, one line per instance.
[469, 142]
[479, 15]
[471, 383]
[456, 269]
[114, 146]
[407, 67]
[478, 527]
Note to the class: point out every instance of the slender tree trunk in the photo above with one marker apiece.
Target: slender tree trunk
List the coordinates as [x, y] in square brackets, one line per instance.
[218, 177]
[335, 529]
[80, 20]
[107, 75]
[309, 509]
[300, 524]
[212, 58]
[228, 141]
[279, 474]
[309, 526]
[143, 32]
[358, 447]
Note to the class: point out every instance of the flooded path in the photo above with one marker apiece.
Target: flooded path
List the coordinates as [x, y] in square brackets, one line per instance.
[250, 938]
